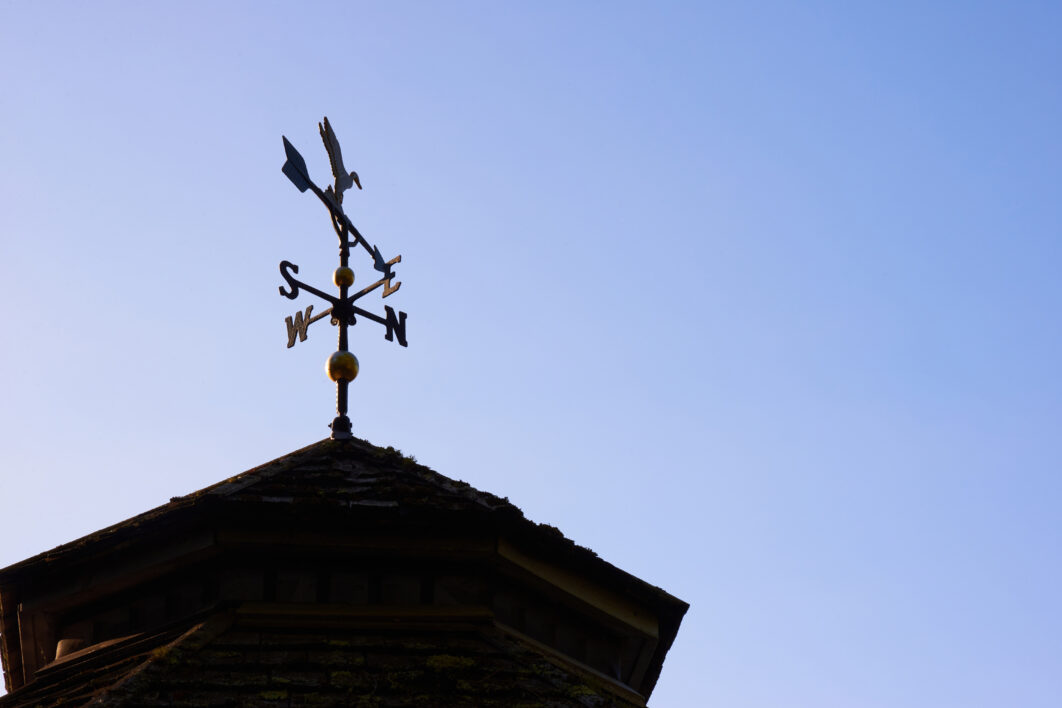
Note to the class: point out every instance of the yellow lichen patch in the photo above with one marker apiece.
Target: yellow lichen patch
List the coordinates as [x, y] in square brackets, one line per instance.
[342, 679]
[446, 661]
[400, 680]
[273, 695]
[581, 690]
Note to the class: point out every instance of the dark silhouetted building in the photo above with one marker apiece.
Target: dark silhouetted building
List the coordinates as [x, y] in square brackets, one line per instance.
[338, 575]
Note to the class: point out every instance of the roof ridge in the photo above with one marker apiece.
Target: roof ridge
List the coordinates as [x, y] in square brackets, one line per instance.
[126, 688]
[366, 469]
[249, 477]
[392, 473]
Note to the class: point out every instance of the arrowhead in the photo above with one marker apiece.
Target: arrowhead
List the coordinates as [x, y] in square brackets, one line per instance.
[295, 167]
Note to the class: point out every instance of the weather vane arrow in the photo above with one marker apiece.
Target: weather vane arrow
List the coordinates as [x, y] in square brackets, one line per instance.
[342, 366]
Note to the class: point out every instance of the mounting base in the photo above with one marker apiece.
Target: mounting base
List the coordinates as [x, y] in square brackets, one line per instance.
[341, 428]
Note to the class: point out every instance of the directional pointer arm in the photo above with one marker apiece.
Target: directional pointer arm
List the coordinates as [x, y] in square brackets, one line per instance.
[296, 171]
[395, 323]
[294, 284]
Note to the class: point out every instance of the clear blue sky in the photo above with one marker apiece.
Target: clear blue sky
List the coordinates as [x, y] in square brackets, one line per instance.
[759, 300]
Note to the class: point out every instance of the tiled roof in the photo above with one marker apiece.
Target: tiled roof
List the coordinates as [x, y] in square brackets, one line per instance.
[328, 475]
[349, 484]
[215, 664]
[339, 476]
[218, 664]
[77, 680]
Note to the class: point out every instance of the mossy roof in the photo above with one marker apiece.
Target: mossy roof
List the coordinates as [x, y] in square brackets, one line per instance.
[217, 663]
[351, 479]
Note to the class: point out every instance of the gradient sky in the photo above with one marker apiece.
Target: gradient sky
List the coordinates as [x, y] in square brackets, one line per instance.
[759, 300]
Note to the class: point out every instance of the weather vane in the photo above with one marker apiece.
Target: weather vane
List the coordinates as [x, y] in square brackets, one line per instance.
[342, 366]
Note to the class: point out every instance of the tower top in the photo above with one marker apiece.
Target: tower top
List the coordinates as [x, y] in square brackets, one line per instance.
[342, 366]
[335, 574]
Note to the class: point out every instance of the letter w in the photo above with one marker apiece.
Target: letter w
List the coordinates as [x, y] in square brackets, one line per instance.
[298, 325]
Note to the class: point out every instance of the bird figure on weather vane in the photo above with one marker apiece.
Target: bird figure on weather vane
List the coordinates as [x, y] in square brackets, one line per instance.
[342, 366]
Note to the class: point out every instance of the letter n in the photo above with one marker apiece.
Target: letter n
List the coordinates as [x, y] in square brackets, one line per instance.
[395, 325]
[298, 326]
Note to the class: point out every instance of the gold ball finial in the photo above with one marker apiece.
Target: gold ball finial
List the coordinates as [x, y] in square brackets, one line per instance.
[342, 366]
[343, 276]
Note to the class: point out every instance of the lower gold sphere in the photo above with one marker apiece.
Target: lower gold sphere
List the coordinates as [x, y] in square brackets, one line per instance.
[342, 366]
[343, 276]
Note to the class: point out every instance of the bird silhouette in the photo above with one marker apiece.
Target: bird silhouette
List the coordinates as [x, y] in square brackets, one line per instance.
[344, 180]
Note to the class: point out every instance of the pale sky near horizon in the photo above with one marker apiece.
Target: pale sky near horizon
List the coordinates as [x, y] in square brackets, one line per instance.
[758, 300]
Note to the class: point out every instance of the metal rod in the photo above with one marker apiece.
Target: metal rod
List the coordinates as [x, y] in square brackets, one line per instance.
[341, 397]
[343, 366]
